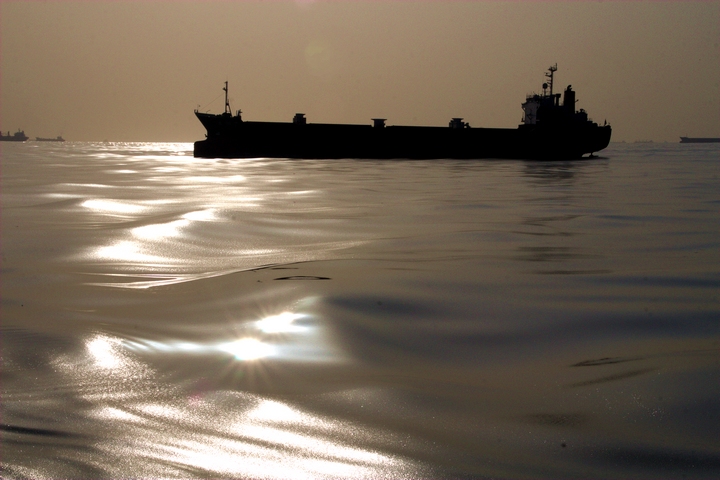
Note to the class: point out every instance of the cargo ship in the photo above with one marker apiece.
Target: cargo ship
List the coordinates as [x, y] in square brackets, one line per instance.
[56, 139]
[19, 136]
[550, 130]
[699, 139]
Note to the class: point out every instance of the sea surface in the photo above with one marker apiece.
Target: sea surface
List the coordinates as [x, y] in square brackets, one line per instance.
[171, 317]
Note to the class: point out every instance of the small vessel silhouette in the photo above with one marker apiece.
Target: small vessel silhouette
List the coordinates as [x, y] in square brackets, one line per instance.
[56, 139]
[699, 139]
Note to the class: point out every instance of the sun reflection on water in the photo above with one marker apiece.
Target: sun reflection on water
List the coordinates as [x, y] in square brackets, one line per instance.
[214, 179]
[275, 336]
[278, 412]
[112, 206]
[242, 349]
[222, 432]
[105, 352]
[160, 230]
[246, 435]
[173, 229]
[117, 414]
[247, 349]
[281, 323]
[126, 251]
[201, 215]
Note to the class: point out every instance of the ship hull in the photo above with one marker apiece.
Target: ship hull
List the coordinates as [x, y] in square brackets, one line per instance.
[699, 140]
[229, 137]
[13, 138]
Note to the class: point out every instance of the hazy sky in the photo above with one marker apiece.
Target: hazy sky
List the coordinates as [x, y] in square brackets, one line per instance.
[134, 71]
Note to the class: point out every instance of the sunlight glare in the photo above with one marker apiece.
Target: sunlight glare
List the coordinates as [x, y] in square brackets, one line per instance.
[209, 179]
[281, 323]
[276, 412]
[160, 230]
[315, 446]
[247, 349]
[112, 206]
[201, 215]
[125, 251]
[116, 414]
[103, 351]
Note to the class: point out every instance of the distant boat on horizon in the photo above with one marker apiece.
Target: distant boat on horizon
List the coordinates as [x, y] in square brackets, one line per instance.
[19, 136]
[699, 139]
[56, 139]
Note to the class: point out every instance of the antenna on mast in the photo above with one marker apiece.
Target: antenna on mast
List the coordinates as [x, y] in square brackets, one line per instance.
[552, 70]
[227, 103]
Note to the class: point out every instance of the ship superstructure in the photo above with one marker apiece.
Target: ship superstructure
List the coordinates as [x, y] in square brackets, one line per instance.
[546, 107]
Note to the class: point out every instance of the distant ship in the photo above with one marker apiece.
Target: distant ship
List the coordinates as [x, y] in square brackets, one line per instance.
[699, 140]
[56, 139]
[549, 131]
[19, 136]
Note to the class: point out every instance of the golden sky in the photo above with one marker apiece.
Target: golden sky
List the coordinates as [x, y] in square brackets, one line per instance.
[136, 70]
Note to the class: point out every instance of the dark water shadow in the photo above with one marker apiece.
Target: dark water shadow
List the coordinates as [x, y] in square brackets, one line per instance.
[612, 378]
[658, 460]
[379, 328]
[303, 277]
[605, 361]
[37, 431]
[32, 350]
[555, 419]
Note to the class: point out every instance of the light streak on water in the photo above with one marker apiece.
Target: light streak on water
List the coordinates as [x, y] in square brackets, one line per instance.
[281, 323]
[247, 349]
[113, 206]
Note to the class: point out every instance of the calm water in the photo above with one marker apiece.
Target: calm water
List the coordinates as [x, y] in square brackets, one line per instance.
[165, 316]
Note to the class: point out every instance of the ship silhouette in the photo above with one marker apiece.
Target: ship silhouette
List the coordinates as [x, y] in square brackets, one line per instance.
[56, 139]
[18, 136]
[699, 139]
[550, 130]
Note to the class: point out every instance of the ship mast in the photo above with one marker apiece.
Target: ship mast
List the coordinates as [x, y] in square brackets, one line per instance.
[227, 103]
[549, 75]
